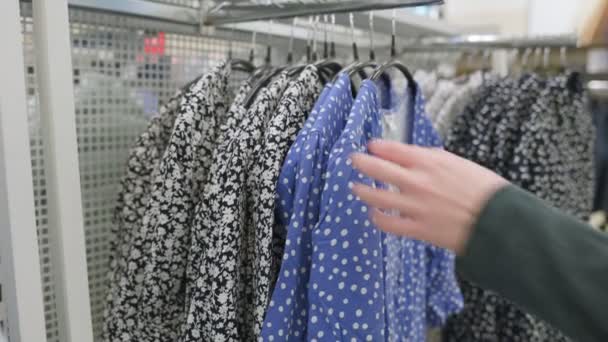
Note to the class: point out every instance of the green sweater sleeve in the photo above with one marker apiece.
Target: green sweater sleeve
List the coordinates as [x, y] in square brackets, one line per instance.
[549, 263]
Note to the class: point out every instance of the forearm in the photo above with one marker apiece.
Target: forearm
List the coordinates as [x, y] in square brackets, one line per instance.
[549, 263]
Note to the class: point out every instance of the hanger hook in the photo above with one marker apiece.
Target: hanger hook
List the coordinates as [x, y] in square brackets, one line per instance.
[514, 55]
[309, 40]
[525, 56]
[291, 39]
[546, 57]
[268, 59]
[325, 41]
[537, 57]
[317, 39]
[351, 18]
[254, 35]
[487, 57]
[332, 48]
[372, 50]
[394, 33]
[470, 57]
[563, 56]
[315, 28]
[230, 42]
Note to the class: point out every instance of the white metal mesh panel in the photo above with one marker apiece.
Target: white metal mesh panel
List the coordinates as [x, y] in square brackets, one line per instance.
[39, 179]
[123, 69]
[121, 75]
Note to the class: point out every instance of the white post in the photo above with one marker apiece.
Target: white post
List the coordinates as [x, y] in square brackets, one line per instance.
[19, 259]
[56, 96]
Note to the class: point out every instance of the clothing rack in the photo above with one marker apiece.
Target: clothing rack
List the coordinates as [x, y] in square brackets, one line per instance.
[240, 11]
[472, 42]
[502, 51]
[596, 82]
[249, 16]
[39, 114]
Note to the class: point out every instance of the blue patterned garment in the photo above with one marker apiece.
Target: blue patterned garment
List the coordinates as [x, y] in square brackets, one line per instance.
[443, 295]
[366, 285]
[346, 286]
[299, 195]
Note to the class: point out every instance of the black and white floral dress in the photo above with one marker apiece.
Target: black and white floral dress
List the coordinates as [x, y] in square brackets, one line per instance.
[135, 187]
[537, 133]
[149, 304]
[230, 123]
[295, 106]
[217, 308]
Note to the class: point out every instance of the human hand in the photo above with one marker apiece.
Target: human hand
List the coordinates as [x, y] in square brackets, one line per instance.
[440, 194]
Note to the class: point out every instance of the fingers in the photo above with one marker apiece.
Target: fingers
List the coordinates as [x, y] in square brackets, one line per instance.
[381, 169]
[398, 153]
[398, 225]
[383, 199]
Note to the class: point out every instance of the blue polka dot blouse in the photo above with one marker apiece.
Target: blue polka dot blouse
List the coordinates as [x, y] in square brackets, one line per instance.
[342, 279]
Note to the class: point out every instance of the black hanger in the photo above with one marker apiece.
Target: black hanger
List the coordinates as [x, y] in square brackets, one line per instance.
[331, 63]
[268, 58]
[291, 38]
[294, 70]
[327, 68]
[332, 45]
[237, 63]
[263, 82]
[270, 73]
[355, 50]
[258, 71]
[358, 68]
[242, 65]
[379, 72]
[394, 63]
[325, 41]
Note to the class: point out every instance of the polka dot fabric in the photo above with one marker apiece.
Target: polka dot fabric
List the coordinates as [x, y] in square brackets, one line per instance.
[366, 285]
[346, 290]
[301, 182]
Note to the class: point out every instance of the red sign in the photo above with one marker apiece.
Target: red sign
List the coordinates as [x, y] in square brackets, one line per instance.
[155, 45]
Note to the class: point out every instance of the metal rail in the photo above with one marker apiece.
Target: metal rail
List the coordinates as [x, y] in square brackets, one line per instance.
[190, 19]
[228, 13]
[141, 8]
[472, 42]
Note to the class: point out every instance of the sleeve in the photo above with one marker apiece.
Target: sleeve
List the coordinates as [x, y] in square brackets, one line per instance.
[547, 262]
